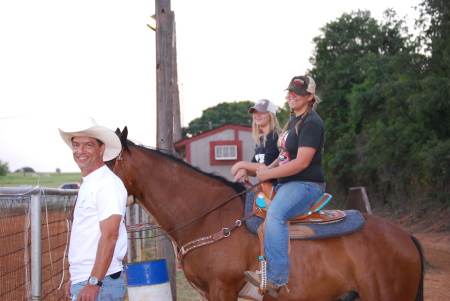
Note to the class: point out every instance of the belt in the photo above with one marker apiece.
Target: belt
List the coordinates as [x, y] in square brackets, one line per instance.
[115, 275]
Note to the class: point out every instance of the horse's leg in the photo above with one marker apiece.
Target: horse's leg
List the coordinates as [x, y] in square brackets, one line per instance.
[218, 291]
[218, 269]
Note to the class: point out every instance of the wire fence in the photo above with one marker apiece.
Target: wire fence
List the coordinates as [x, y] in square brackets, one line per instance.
[17, 274]
[14, 258]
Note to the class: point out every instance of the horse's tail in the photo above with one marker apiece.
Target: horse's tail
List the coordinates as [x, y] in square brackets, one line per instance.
[419, 296]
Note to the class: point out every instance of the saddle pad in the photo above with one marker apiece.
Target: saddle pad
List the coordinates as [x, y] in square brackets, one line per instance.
[353, 222]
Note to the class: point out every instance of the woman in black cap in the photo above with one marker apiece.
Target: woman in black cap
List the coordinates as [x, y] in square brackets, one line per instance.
[301, 180]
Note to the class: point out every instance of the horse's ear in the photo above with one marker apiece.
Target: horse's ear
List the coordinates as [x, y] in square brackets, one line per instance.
[117, 131]
[123, 136]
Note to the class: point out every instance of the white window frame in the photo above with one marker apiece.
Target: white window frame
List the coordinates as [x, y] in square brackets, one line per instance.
[224, 152]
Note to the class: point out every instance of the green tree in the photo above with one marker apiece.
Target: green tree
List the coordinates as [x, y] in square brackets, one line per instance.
[351, 58]
[4, 168]
[25, 169]
[431, 104]
[229, 113]
[434, 23]
[283, 114]
[415, 160]
[221, 114]
[385, 105]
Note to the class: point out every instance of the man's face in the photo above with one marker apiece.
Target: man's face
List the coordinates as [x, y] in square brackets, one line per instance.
[87, 154]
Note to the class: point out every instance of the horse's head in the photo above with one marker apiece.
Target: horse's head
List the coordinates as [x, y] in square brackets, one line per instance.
[123, 140]
[123, 137]
[114, 164]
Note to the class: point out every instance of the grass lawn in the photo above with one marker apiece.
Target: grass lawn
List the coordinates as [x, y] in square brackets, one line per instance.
[51, 180]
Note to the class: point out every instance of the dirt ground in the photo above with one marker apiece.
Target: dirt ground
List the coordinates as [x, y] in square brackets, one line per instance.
[433, 231]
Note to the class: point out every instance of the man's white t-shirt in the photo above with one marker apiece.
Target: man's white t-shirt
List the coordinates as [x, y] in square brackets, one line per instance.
[101, 195]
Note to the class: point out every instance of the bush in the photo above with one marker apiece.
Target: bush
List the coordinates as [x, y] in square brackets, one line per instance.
[25, 169]
[4, 168]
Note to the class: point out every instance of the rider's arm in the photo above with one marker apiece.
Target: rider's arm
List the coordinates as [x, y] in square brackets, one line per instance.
[304, 158]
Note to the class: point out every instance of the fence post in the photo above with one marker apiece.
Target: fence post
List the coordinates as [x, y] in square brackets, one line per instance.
[357, 199]
[137, 234]
[128, 222]
[36, 248]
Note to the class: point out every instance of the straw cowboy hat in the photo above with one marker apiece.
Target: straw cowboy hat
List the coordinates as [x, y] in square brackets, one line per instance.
[87, 127]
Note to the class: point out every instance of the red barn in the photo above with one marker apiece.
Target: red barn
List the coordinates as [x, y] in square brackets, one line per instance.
[218, 149]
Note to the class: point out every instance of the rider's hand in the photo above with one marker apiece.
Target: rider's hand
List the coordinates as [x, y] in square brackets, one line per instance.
[240, 175]
[236, 167]
[263, 173]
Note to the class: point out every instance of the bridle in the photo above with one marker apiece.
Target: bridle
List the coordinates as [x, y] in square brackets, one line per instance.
[118, 162]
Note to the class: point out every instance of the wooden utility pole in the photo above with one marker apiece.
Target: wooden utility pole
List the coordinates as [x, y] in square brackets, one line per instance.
[164, 79]
[166, 97]
[177, 134]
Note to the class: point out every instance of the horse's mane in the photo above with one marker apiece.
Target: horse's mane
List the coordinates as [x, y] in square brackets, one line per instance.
[237, 186]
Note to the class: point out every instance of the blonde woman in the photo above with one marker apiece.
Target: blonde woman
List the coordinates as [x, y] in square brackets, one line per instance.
[265, 134]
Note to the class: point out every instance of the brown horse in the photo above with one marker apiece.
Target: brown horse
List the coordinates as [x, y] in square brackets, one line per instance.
[379, 262]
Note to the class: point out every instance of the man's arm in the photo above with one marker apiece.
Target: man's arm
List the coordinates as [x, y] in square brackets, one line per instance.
[109, 229]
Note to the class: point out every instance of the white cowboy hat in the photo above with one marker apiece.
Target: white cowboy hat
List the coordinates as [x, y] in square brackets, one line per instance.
[87, 127]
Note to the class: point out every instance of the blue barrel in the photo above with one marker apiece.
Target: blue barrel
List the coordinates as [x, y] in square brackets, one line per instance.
[148, 280]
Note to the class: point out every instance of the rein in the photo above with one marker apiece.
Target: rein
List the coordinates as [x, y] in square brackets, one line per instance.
[225, 231]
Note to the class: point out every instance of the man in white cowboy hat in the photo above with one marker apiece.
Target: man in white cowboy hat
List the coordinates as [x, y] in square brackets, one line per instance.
[98, 241]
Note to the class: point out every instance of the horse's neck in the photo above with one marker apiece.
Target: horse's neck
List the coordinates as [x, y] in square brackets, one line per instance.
[176, 194]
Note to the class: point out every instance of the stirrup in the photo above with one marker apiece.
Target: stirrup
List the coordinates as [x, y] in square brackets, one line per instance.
[255, 279]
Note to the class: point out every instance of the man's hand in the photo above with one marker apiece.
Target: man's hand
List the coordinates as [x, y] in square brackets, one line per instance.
[68, 285]
[88, 293]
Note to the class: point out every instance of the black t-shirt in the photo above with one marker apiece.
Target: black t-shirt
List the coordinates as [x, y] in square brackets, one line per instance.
[267, 154]
[310, 134]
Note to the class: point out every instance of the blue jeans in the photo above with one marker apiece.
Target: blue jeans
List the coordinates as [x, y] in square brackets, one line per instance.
[111, 290]
[291, 200]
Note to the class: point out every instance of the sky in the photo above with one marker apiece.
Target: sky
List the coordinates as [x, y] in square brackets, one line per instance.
[96, 58]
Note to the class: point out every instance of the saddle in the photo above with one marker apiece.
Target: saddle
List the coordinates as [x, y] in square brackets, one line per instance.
[314, 224]
[266, 194]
